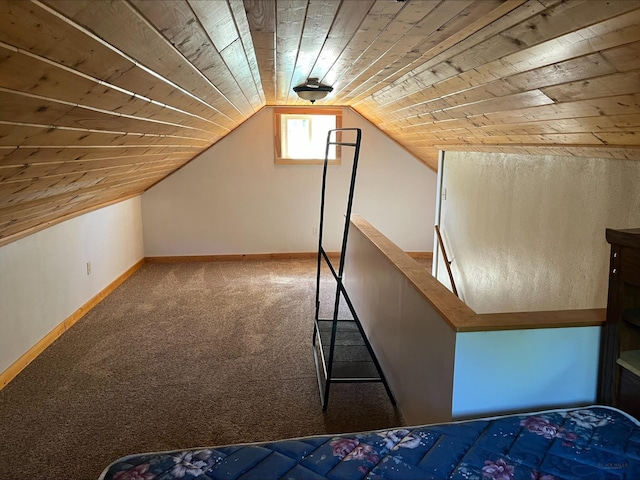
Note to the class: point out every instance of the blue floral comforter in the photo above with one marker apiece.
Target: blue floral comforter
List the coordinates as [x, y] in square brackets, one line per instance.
[595, 443]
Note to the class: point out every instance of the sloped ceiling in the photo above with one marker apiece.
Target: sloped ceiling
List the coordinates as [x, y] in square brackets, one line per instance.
[99, 100]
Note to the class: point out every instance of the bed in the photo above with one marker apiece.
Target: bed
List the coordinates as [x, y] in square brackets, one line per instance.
[585, 443]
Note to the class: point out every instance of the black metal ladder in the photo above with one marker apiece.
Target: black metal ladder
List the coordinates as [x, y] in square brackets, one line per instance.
[342, 352]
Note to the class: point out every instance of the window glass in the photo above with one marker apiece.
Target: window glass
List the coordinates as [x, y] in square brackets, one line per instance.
[301, 137]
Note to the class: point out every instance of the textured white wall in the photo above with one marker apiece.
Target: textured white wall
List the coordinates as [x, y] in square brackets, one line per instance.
[527, 232]
[233, 199]
[43, 277]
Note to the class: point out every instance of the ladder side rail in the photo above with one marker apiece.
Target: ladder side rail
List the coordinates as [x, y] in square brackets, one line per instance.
[320, 251]
[352, 186]
[334, 330]
[334, 326]
[321, 226]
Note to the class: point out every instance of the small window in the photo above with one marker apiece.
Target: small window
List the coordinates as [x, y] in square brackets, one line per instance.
[300, 135]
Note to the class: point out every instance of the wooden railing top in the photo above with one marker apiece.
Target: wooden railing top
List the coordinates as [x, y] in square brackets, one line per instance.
[455, 312]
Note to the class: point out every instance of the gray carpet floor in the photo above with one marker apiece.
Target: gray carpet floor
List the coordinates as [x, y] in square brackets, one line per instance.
[179, 356]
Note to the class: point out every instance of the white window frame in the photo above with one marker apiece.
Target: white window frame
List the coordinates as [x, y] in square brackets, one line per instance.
[280, 148]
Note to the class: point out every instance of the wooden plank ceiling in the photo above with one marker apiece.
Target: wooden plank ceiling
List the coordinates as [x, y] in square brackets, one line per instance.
[99, 100]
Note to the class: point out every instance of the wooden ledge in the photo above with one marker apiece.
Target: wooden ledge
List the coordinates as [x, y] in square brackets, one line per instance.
[455, 312]
[593, 317]
[450, 307]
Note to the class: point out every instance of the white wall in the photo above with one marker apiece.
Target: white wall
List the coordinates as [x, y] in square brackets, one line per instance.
[413, 344]
[520, 370]
[233, 199]
[437, 373]
[527, 232]
[43, 277]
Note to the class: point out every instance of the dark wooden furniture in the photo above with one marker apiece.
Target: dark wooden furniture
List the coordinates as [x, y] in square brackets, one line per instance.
[619, 379]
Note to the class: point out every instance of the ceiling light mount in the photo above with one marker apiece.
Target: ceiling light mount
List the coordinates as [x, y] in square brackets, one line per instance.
[312, 90]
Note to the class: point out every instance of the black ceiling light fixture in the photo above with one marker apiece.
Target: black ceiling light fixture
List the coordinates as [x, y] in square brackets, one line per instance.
[312, 90]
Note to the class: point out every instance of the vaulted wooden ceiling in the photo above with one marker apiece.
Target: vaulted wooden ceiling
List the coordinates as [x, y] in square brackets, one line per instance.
[99, 100]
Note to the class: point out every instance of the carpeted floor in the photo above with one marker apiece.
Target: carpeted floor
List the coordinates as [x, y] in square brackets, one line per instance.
[181, 355]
